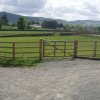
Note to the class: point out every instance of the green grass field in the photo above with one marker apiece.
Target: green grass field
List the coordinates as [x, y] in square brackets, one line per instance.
[34, 39]
[6, 33]
[20, 51]
[32, 32]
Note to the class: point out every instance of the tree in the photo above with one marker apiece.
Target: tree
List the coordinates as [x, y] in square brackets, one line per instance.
[38, 23]
[54, 24]
[13, 24]
[60, 25]
[4, 20]
[32, 22]
[28, 25]
[21, 23]
[0, 23]
[35, 22]
[50, 24]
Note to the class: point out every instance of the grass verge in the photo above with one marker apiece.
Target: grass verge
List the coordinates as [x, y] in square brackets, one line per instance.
[18, 62]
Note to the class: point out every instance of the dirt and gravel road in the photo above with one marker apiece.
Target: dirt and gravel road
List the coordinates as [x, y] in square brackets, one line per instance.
[54, 80]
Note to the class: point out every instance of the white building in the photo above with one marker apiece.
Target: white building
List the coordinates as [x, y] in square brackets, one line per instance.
[36, 26]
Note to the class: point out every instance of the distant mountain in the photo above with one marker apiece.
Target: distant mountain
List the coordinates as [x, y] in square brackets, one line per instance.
[85, 22]
[14, 17]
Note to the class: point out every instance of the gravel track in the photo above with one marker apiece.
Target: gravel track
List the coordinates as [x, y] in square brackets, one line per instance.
[54, 80]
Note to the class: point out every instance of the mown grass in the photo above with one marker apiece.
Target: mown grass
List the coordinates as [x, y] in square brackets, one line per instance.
[7, 33]
[36, 39]
[26, 61]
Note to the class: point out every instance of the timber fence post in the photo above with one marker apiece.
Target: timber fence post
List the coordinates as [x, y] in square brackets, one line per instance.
[75, 49]
[95, 48]
[41, 49]
[13, 54]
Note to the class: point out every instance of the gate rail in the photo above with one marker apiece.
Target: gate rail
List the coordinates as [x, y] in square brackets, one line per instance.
[50, 48]
[19, 50]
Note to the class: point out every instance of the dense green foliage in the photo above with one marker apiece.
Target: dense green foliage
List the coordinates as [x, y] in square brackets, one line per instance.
[4, 20]
[52, 24]
[21, 24]
[0, 23]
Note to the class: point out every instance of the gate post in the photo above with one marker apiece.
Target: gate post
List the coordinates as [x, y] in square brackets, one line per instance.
[13, 50]
[75, 48]
[95, 48]
[41, 49]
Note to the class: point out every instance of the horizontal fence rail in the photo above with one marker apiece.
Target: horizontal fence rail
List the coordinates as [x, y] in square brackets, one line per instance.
[58, 48]
[50, 48]
[19, 50]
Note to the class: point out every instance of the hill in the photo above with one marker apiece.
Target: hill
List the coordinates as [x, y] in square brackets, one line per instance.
[14, 18]
[85, 22]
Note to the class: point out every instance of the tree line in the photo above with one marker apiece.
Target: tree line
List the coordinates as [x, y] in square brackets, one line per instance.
[22, 23]
[52, 24]
[3, 21]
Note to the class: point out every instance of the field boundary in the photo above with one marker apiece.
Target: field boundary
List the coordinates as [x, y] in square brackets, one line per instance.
[55, 33]
[51, 49]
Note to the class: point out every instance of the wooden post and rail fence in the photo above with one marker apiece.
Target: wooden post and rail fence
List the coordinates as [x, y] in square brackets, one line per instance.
[43, 46]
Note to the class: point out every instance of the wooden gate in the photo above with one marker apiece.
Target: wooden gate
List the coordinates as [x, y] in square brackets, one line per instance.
[55, 48]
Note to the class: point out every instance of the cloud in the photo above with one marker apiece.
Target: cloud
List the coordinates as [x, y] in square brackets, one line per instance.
[64, 9]
[8, 2]
[75, 9]
[31, 4]
[22, 6]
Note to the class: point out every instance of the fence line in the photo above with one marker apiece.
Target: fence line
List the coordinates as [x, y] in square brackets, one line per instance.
[19, 49]
[50, 48]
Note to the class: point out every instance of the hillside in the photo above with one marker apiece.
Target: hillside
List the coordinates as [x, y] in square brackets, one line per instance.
[85, 22]
[14, 18]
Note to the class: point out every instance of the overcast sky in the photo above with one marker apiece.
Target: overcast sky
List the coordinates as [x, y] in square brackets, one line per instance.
[57, 9]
